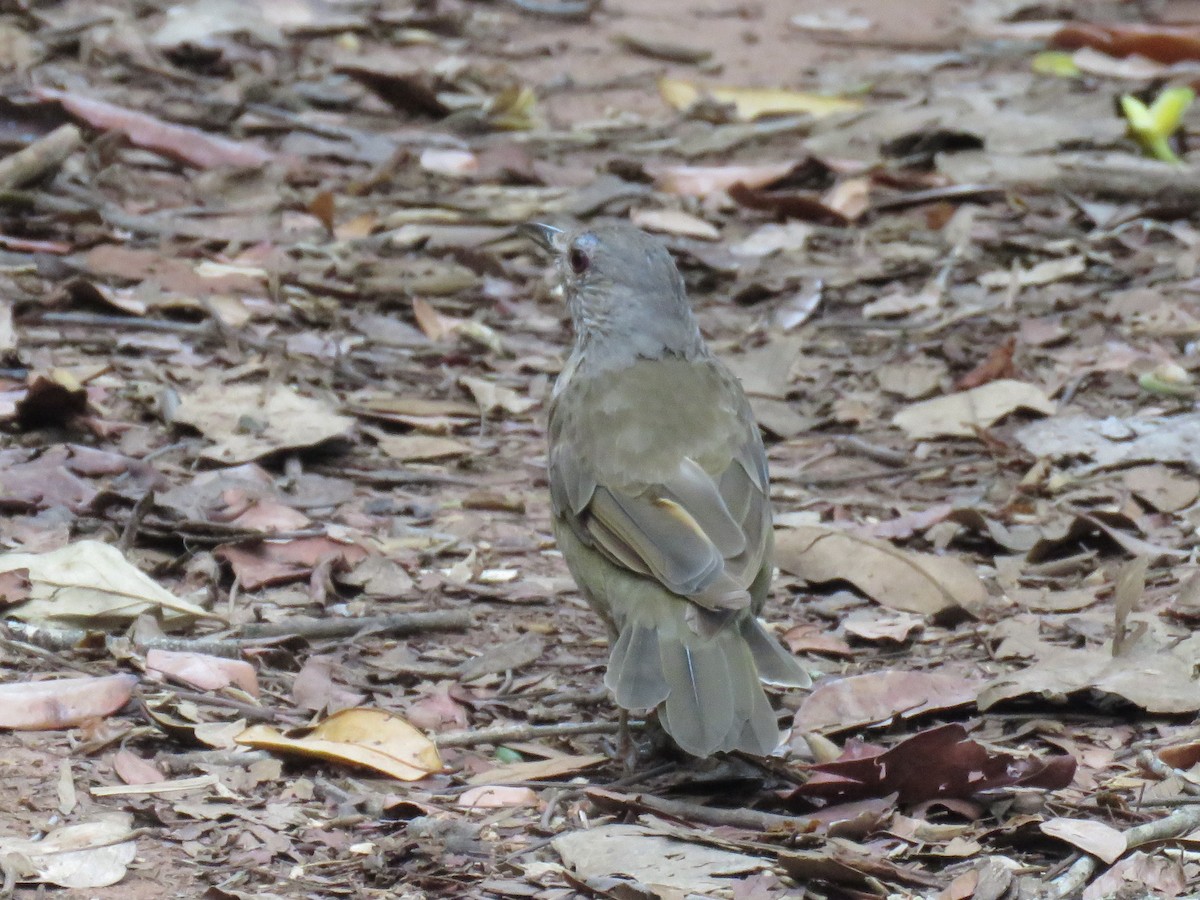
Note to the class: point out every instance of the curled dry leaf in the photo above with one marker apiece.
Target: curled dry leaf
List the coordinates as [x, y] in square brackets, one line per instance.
[91, 583]
[898, 579]
[87, 855]
[63, 702]
[1154, 41]
[959, 415]
[360, 736]
[845, 703]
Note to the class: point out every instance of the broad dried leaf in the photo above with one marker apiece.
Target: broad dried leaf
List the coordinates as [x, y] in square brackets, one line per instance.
[959, 415]
[845, 703]
[899, 579]
[245, 423]
[188, 145]
[91, 583]
[62, 703]
[360, 736]
[538, 769]
[88, 855]
[1101, 840]
[204, 672]
[636, 852]
[939, 763]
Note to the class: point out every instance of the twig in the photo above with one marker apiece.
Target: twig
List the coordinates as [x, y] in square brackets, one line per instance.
[232, 645]
[1072, 881]
[916, 468]
[129, 533]
[748, 819]
[885, 455]
[124, 323]
[395, 476]
[1151, 763]
[503, 734]
[396, 623]
[42, 156]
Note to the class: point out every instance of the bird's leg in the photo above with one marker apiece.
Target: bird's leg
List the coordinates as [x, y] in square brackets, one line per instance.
[627, 749]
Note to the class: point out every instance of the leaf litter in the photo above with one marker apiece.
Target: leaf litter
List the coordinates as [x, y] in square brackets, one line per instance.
[273, 369]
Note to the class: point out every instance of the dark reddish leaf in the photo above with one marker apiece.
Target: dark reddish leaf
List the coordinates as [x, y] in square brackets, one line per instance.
[999, 364]
[941, 762]
[1161, 43]
[788, 205]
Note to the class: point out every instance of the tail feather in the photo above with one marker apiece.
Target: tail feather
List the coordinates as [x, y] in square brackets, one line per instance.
[707, 687]
[775, 665]
[635, 672]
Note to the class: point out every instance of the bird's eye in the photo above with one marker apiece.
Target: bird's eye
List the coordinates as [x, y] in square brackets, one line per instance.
[578, 261]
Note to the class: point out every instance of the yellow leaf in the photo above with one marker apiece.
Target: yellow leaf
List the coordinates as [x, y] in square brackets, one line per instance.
[753, 103]
[1153, 126]
[1055, 62]
[361, 736]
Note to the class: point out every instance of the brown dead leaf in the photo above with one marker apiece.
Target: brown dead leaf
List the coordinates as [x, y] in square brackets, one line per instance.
[845, 703]
[245, 423]
[204, 672]
[1101, 840]
[941, 762]
[538, 769]
[188, 145]
[899, 579]
[360, 736]
[62, 703]
[959, 415]
[279, 562]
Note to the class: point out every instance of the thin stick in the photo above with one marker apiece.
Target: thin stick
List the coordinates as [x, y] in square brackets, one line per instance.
[231, 646]
[503, 734]
[396, 623]
[42, 156]
[748, 819]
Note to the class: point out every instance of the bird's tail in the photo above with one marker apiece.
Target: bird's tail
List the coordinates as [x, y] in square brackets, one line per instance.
[708, 688]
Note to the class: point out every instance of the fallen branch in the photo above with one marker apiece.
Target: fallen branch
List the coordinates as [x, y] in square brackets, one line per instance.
[1075, 878]
[748, 819]
[503, 734]
[42, 156]
[232, 645]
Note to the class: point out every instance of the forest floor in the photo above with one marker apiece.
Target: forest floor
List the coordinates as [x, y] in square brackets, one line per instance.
[273, 372]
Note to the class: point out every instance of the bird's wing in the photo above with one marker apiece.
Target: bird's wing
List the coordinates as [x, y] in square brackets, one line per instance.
[700, 536]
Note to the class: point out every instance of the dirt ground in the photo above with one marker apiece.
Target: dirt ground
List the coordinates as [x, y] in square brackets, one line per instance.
[273, 372]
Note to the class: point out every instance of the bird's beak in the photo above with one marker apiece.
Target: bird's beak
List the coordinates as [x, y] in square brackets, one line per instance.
[545, 236]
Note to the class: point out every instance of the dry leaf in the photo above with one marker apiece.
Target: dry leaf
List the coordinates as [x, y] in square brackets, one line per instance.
[246, 423]
[753, 103]
[91, 583]
[959, 415]
[899, 579]
[63, 702]
[360, 736]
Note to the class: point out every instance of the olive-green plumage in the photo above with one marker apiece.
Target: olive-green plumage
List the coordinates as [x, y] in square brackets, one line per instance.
[658, 481]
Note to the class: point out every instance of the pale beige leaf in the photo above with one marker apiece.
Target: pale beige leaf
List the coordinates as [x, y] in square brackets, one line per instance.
[958, 415]
[899, 579]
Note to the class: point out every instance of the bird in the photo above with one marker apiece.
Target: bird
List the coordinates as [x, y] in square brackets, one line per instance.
[660, 496]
